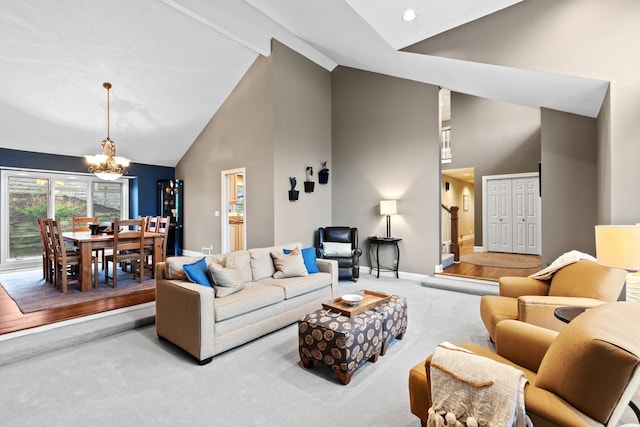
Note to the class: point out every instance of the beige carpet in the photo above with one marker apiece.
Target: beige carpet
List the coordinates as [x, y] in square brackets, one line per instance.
[32, 293]
[497, 259]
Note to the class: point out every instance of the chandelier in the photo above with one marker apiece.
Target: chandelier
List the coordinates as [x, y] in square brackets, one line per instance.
[107, 165]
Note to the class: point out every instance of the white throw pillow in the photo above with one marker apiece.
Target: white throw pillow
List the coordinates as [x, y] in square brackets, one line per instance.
[336, 249]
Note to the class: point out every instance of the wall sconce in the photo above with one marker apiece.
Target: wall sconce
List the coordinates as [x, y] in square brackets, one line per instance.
[388, 208]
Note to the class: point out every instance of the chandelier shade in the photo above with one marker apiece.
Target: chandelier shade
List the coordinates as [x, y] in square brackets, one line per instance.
[107, 165]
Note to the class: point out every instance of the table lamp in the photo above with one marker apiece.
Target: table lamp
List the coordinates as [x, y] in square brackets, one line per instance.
[388, 208]
[618, 246]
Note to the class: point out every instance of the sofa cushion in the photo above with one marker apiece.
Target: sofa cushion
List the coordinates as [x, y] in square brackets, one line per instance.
[253, 296]
[294, 286]
[288, 265]
[227, 281]
[309, 258]
[261, 262]
[240, 260]
[198, 272]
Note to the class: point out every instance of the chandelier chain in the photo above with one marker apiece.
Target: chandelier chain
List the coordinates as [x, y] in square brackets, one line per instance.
[107, 165]
[108, 113]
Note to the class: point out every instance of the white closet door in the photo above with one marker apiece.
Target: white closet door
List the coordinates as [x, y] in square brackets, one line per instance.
[513, 215]
[500, 215]
[532, 217]
[519, 216]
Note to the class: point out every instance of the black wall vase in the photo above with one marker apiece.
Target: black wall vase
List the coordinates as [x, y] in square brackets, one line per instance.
[323, 176]
[308, 186]
[293, 195]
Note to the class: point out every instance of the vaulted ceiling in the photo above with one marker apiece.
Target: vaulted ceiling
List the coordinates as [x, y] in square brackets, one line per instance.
[172, 64]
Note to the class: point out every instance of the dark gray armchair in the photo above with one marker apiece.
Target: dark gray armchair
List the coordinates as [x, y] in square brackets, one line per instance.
[341, 244]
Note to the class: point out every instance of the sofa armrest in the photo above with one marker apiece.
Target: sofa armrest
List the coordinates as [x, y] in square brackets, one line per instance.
[160, 271]
[185, 316]
[538, 310]
[523, 343]
[517, 286]
[330, 266]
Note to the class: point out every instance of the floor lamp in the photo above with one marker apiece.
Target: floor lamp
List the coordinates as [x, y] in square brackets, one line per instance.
[618, 246]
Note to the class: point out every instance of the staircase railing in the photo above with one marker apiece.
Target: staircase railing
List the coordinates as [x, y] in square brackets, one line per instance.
[454, 246]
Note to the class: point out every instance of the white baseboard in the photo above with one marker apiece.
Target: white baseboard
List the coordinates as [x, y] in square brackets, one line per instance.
[192, 253]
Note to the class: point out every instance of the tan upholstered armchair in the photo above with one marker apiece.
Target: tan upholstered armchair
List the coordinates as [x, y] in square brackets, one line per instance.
[584, 283]
[584, 375]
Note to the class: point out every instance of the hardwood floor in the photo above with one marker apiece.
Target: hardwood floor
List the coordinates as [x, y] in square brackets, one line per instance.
[471, 271]
[13, 320]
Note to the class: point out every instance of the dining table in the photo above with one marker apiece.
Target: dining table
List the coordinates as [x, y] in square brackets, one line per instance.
[87, 242]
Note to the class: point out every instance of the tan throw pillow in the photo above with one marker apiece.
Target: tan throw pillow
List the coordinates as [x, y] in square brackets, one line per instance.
[288, 265]
[227, 281]
[240, 260]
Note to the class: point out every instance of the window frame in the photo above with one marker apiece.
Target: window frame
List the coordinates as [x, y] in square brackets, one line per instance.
[50, 176]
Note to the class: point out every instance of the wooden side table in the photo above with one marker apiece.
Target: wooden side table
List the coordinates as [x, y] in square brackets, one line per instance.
[376, 242]
[567, 313]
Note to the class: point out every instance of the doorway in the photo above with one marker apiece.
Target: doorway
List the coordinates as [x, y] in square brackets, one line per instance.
[234, 210]
[458, 190]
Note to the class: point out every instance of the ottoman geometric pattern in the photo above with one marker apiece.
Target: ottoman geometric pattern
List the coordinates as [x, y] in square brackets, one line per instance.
[394, 320]
[340, 342]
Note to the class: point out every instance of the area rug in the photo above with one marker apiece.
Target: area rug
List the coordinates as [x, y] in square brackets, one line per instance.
[32, 293]
[502, 260]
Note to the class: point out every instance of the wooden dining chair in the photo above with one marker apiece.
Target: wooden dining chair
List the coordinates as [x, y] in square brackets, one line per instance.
[163, 228]
[82, 223]
[128, 248]
[67, 264]
[151, 226]
[48, 258]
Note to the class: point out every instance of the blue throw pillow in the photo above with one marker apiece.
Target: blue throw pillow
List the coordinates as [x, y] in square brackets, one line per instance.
[198, 272]
[309, 258]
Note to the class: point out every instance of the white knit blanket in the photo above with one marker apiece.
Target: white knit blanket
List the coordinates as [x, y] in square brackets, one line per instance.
[472, 390]
[562, 261]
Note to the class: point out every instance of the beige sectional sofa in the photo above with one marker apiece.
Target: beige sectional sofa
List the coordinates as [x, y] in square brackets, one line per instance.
[193, 318]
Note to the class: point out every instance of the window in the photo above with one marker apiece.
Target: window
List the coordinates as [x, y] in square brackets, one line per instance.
[28, 195]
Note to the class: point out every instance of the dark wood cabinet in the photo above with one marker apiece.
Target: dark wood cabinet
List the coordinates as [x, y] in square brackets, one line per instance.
[170, 203]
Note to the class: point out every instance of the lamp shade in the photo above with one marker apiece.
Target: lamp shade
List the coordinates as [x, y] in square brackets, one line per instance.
[388, 207]
[618, 246]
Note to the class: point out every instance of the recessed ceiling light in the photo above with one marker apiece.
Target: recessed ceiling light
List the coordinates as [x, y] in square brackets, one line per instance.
[409, 15]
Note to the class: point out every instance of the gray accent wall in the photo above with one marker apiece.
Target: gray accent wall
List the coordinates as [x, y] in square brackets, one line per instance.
[275, 122]
[386, 146]
[239, 135]
[569, 183]
[302, 137]
[494, 138]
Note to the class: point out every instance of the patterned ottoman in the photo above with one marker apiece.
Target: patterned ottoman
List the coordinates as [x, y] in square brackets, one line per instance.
[394, 320]
[340, 342]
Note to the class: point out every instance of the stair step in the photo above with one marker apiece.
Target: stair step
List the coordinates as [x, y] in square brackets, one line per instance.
[447, 260]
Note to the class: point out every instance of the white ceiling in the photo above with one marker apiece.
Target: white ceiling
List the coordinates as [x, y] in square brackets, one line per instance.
[172, 64]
